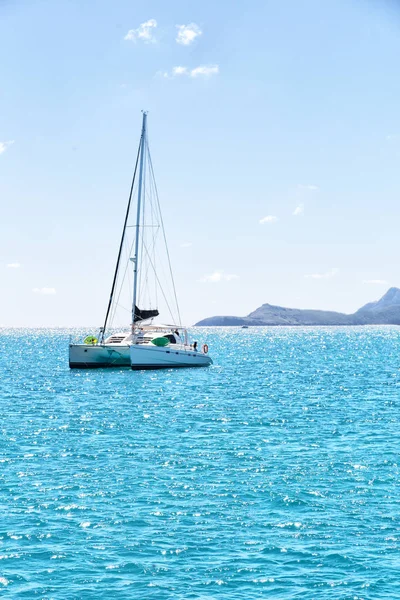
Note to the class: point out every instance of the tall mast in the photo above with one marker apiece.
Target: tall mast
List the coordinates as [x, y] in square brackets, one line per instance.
[139, 206]
[128, 208]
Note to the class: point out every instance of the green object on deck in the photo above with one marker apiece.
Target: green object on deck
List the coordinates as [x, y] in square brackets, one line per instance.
[161, 341]
[90, 339]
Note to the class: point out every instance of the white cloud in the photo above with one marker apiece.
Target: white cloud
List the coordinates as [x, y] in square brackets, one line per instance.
[376, 281]
[218, 276]
[299, 210]
[186, 245]
[230, 277]
[45, 291]
[187, 33]
[144, 32]
[268, 219]
[204, 71]
[5, 145]
[180, 71]
[15, 265]
[201, 71]
[326, 275]
[309, 187]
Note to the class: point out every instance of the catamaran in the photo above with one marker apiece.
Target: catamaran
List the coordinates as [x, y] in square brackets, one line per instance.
[147, 344]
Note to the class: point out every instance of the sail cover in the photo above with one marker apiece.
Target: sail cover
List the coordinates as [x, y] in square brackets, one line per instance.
[142, 315]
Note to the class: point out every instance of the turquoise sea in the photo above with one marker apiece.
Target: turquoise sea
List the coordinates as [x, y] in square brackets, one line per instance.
[272, 474]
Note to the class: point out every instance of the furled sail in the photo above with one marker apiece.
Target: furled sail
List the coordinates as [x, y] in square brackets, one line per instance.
[142, 315]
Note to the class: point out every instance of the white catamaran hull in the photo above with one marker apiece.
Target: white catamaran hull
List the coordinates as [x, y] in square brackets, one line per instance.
[152, 357]
[83, 356]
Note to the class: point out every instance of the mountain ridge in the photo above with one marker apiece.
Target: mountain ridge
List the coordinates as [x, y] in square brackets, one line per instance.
[385, 311]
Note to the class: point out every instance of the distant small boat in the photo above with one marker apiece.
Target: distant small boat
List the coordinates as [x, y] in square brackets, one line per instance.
[245, 326]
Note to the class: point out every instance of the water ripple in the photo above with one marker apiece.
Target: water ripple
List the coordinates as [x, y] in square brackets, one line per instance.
[272, 474]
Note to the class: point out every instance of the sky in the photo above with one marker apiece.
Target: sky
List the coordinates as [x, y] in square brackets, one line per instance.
[275, 137]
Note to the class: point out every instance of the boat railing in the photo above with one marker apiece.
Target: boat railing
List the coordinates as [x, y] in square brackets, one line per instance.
[76, 338]
[190, 348]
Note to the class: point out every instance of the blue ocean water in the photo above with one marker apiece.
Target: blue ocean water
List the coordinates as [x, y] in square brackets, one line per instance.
[272, 474]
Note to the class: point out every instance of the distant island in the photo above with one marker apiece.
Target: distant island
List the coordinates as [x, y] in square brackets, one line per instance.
[385, 311]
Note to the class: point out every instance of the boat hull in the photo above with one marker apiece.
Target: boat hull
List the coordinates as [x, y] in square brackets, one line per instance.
[84, 356]
[153, 357]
